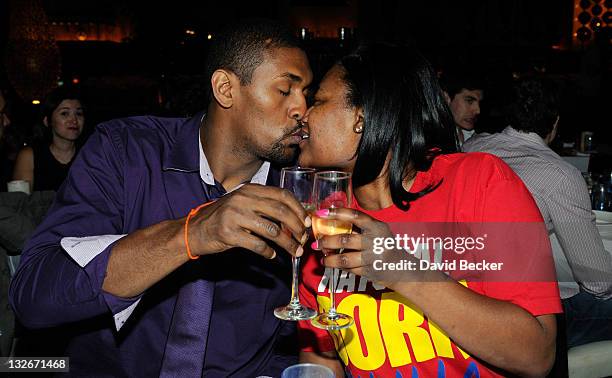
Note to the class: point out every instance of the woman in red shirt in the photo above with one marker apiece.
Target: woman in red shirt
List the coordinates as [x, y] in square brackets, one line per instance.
[380, 114]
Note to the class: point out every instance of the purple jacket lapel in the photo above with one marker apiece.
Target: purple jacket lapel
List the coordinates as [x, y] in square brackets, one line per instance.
[186, 345]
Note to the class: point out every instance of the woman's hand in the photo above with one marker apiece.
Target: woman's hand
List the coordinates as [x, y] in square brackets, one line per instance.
[363, 250]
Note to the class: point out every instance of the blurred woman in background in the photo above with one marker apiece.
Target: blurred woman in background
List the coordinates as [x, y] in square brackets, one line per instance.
[46, 163]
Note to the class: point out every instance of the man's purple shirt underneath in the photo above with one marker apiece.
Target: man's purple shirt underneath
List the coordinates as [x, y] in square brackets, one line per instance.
[131, 174]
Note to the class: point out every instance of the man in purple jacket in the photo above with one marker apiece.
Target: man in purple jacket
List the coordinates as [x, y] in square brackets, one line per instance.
[111, 262]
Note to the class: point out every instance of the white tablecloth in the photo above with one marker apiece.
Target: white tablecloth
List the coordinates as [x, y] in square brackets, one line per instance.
[604, 226]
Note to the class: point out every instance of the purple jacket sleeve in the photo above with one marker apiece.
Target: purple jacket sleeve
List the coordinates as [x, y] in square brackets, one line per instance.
[49, 287]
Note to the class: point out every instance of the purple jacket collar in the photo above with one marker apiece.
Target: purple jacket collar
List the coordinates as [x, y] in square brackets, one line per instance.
[183, 154]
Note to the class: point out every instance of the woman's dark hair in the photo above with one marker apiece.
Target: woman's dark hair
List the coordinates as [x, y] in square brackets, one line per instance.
[51, 102]
[404, 112]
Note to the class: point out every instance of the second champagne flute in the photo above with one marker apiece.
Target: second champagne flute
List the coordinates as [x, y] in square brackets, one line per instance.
[332, 189]
[298, 181]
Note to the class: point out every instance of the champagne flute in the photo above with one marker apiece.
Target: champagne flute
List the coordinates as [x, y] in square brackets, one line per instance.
[298, 181]
[332, 189]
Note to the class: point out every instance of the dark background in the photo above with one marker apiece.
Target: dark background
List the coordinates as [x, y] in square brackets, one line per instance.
[156, 67]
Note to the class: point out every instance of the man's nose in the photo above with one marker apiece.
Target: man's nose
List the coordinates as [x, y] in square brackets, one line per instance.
[477, 108]
[298, 110]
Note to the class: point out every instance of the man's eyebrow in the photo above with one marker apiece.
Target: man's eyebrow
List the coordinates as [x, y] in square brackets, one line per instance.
[470, 97]
[292, 77]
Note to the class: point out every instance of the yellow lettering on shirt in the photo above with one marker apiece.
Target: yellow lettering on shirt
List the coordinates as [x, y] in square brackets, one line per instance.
[337, 336]
[464, 354]
[374, 356]
[393, 330]
[389, 339]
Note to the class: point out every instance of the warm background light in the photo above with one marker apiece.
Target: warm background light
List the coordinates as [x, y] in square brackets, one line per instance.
[587, 21]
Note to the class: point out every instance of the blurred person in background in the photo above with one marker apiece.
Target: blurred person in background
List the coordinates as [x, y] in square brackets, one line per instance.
[45, 164]
[464, 92]
[563, 199]
[19, 214]
[5, 121]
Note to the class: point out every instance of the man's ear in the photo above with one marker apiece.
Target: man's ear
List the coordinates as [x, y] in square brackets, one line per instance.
[446, 97]
[553, 133]
[556, 125]
[222, 82]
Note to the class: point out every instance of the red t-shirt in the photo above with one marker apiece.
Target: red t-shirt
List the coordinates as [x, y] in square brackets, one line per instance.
[391, 337]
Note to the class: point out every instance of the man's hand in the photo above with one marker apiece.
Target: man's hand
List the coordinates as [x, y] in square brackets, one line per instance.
[247, 218]
[244, 218]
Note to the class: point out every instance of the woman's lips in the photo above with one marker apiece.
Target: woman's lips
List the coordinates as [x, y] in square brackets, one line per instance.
[299, 135]
[294, 139]
[305, 139]
[305, 136]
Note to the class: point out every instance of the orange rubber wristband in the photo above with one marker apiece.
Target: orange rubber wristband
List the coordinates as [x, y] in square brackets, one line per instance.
[193, 212]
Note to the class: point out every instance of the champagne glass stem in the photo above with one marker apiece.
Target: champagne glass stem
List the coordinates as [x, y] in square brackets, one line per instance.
[295, 300]
[332, 286]
[332, 297]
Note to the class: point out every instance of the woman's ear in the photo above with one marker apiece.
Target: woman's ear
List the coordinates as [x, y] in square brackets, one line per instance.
[221, 81]
[46, 121]
[358, 125]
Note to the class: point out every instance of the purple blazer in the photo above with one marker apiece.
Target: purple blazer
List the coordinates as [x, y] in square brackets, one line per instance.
[131, 173]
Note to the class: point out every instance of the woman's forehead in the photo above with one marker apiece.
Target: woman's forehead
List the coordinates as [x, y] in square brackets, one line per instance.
[332, 79]
[69, 103]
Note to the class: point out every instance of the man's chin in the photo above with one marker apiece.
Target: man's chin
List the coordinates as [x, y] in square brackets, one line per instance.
[283, 156]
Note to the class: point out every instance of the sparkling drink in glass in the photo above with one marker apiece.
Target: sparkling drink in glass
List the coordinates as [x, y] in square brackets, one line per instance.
[298, 181]
[332, 189]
